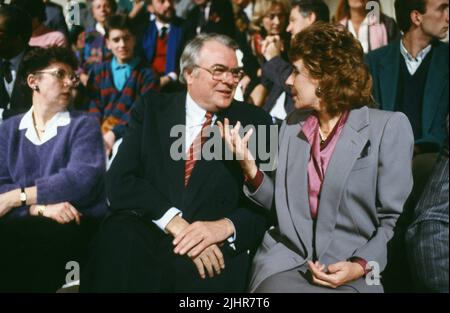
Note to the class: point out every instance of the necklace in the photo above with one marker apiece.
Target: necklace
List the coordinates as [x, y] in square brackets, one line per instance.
[38, 130]
[322, 137]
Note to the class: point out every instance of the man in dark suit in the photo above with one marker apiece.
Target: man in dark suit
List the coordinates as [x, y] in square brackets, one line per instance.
[180, 225]
[54, 17]
[210, 16]
[162, 42]
[15, 32]
[411, 75]
[427, 237]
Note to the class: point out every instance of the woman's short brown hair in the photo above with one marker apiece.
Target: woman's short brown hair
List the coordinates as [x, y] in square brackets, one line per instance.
[335, 58]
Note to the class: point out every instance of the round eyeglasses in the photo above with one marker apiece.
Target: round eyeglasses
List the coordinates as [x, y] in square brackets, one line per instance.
[62, 75]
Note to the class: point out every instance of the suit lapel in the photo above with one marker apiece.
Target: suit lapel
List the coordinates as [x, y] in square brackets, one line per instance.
[348, 148]
[174, 115]
[437, 80]
[4, 96]
[389, 72]
[298, 153]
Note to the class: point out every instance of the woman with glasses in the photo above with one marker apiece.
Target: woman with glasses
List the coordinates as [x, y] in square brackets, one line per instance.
[52, 167]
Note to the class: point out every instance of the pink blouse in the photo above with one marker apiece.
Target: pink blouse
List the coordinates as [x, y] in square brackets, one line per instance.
[321, 154]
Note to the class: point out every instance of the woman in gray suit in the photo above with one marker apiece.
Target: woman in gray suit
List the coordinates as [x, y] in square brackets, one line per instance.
[343, 174]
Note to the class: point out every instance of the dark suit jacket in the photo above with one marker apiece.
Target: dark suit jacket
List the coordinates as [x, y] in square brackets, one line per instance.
[175, 42]
[221, 20]
[20, 100]
[55, 18]
[384, 64]
[145, 179]
[427, 237]
[275, 73]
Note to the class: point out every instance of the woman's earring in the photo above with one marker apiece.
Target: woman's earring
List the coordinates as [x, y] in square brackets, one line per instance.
[35, 88]
[318, 91]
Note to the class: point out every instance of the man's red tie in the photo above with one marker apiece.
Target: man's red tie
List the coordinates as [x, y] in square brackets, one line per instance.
[195, 148]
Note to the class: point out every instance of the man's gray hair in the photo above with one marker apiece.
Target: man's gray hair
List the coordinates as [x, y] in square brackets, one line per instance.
[191, 53]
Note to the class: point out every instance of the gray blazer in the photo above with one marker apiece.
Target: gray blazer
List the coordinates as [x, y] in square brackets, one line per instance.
[367, 182]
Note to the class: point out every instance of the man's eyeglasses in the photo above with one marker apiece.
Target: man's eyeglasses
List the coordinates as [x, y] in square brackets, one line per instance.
[61, 75]
[219, 72]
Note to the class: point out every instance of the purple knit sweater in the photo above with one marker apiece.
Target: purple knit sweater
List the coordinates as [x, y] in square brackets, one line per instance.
[69, 167]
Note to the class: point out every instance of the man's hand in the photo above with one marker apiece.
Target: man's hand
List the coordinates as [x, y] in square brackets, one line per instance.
[271, 47]
[199, 235]
[338, 274]
[210, 259]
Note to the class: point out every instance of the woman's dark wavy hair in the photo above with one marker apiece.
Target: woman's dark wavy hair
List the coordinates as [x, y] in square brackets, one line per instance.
[335, 58]
[38, 59]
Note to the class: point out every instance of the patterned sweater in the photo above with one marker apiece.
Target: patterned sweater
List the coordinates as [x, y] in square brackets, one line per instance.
[111, 106]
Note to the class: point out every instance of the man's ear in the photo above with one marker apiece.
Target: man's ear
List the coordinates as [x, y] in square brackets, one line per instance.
[189, 75]
[107, 42]
[416, 17]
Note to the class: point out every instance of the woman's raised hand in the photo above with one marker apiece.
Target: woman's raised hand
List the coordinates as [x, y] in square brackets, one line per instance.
[239, 146]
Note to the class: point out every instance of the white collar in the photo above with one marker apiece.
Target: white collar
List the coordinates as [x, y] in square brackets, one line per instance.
[51, 130]
[249, 10]
[100, 28]
[420, 56]
[160, 25]
[195, 114]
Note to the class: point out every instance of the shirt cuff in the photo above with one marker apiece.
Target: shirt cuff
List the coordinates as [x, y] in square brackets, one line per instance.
[255, 183]
[232, 238]
[166, 218]
[1, 115]
[361, 262]
[173, 76]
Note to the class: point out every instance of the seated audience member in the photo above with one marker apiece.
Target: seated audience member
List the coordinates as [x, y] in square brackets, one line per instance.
[427, 236]
[95, 50]
[185, 223]
[42, 36]
[269, 20]
[52, 167]
[411, 74]
[15, 32]
[343, 174]
[54, 17]
[371, 32]
[210, 16]
[276, 70]
[162, 42]
[115, 85]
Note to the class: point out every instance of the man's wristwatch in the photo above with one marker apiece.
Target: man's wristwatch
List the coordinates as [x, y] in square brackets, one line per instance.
[23, 196]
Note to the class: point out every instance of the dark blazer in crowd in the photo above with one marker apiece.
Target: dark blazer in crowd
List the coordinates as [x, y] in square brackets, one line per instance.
[55, 18]
[20, 99]
[220, 21]
[175, 44]
[366, 185]
[384, 65]
[144, 182]
[427, 237]
[274, 75]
